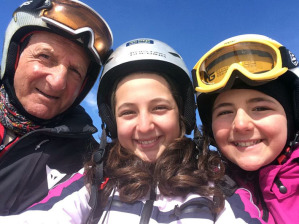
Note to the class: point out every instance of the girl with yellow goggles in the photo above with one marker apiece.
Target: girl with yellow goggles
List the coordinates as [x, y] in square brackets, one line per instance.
[257, 59]
[248, 102]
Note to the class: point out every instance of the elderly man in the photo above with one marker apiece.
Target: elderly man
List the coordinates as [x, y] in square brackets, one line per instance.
[52, 55]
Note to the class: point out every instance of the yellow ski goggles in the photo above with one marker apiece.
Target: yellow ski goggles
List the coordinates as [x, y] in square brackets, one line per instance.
[256, 60]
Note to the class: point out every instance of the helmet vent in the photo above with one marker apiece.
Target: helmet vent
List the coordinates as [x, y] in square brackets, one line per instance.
[175, 54]
[109, 59]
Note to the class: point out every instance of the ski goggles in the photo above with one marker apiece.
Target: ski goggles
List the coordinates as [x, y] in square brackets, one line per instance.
[256, 61]
[77, 18]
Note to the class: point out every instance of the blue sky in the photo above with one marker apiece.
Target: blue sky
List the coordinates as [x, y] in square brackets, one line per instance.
[191, 27]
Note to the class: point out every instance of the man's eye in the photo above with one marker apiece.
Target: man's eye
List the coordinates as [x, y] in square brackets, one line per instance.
[76, 72]
[44, 56]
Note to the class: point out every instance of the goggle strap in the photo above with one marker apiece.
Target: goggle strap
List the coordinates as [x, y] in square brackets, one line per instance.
[288, 58]
[34, 6]
[195, 83]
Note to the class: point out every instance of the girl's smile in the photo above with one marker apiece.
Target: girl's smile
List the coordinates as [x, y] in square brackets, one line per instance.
[250, 127]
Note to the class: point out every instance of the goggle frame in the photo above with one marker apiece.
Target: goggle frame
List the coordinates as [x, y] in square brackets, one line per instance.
[279, 69]
[96, 43]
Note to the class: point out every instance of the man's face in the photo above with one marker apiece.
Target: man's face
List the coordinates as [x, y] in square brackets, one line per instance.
[49, 74]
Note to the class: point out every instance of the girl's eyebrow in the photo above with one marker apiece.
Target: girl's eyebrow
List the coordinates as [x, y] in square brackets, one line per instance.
[259, 99]
[251, 100]
[221, 105]
[156, 100]
[124, 105]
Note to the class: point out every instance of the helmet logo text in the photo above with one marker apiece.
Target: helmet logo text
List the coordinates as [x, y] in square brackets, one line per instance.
[140, 41]
[26, 3]
[156, 53]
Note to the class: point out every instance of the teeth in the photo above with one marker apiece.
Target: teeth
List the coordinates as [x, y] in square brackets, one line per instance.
[147, 142]
[246, 144]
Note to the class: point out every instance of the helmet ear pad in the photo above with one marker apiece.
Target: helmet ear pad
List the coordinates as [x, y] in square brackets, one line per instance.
[108, 118]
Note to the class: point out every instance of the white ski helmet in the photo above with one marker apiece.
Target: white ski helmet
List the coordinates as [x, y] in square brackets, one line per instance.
[151, 55]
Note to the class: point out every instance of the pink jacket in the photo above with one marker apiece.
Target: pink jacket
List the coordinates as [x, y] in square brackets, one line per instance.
[283, 206]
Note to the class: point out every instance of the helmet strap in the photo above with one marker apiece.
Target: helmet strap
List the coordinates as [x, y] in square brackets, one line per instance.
[288, 151]
[108, 118]
[288, 58]
[99, 180]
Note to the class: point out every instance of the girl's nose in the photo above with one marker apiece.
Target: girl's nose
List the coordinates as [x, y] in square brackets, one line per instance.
[242, 121]
[145, 123]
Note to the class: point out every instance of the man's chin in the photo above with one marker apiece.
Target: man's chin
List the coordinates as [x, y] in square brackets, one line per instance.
[42, 113]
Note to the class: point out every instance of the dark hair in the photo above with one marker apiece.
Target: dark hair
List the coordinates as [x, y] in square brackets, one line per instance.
[176, 172]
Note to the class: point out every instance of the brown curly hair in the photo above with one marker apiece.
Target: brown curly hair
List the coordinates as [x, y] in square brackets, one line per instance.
[179, 170]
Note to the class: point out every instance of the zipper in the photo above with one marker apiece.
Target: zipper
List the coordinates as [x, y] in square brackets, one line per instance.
[47, 131]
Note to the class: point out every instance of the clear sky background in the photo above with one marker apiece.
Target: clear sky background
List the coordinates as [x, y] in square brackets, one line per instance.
[191, 27]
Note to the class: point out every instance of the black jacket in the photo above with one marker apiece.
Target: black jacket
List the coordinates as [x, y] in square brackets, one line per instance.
[41, 159]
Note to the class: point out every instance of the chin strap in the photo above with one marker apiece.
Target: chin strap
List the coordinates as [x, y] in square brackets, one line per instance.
[99, 182]
[288, 151]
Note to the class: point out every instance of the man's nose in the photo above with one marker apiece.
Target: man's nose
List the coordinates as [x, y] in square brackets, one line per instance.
[57, 77]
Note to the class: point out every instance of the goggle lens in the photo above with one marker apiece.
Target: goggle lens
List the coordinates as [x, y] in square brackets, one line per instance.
[256, 58]
[76, 16]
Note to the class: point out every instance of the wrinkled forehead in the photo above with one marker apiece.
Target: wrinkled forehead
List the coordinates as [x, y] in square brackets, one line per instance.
[44, 37]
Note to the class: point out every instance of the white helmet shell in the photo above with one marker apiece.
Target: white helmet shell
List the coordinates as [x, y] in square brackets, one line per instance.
[144, 49]
[145, 54]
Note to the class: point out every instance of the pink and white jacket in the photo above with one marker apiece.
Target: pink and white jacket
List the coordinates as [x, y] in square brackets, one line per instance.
[69, 203]
[283, 206]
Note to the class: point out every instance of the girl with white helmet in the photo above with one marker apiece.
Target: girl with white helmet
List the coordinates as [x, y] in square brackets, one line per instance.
[247, 96]
[146, 101]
